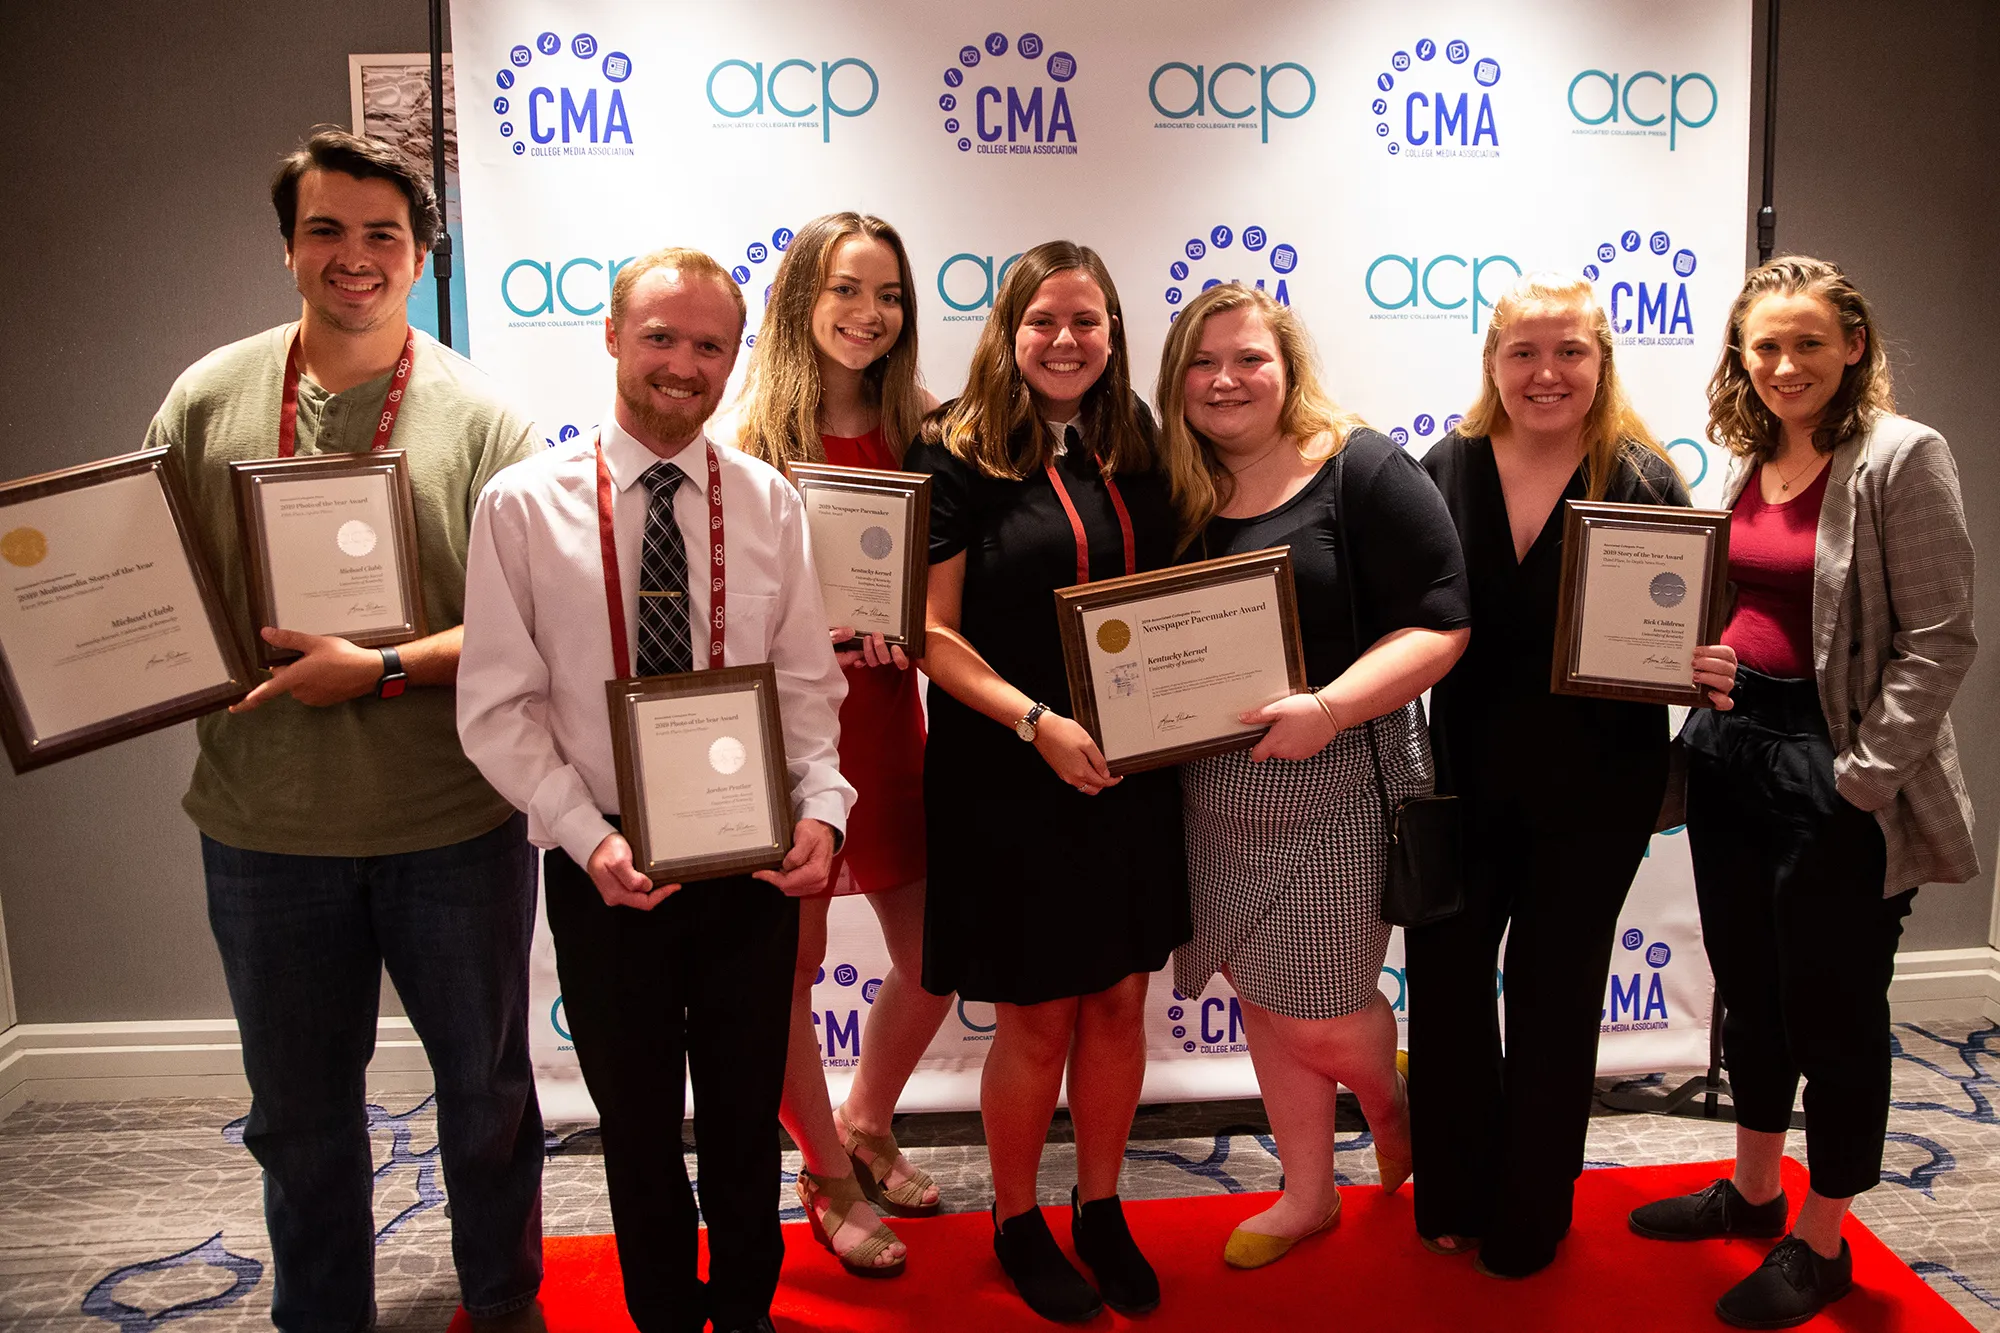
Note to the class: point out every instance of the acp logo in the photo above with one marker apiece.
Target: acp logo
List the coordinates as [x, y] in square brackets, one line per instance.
[550, 106]
[793, 92]
[566, 293]
[1636, 1001]
[1638, 104]
[1642, 280]
[968, 282]
[1222, 256]
[1430, 107]
[1423, 426]
[1233, 96]
[1436, 287]
[997, 104]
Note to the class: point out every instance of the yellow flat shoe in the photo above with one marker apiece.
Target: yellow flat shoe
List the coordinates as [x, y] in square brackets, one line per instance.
[1393, 1171]
[1254, 1249]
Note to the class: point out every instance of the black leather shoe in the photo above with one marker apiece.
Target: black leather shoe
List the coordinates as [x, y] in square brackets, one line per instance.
[1716, 1211]
[1126, 1280]
[1040, 1271]
[1791, 1286]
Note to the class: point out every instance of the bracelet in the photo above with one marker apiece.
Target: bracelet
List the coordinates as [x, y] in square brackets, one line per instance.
[1320, 699]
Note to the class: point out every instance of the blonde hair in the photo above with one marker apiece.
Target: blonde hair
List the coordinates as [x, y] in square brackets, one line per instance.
[1737, 417]
[781, 392]
[982, 425]
[1317, 426]
[1612, 428]
[691, 262]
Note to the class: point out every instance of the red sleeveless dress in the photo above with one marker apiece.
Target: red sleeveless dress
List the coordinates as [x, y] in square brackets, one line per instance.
[881, 744]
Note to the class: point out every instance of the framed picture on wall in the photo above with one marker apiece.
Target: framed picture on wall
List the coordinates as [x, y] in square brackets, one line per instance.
[389, 98]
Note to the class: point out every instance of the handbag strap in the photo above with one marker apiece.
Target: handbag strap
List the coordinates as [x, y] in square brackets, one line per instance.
[1347, 573]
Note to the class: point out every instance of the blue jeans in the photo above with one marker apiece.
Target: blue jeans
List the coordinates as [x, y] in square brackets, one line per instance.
[303, 941]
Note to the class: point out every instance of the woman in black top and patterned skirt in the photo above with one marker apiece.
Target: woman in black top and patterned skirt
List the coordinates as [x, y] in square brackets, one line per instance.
[1560, 793]
[1286, 841]
[1055, 888]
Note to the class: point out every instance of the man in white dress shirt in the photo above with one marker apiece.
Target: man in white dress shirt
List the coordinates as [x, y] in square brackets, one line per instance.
[658, 980]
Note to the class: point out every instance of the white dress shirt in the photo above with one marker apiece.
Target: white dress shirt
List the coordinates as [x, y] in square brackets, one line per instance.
[531, 709]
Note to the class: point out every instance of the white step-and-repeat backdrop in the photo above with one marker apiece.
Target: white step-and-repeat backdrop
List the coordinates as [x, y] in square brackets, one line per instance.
[1387, 168]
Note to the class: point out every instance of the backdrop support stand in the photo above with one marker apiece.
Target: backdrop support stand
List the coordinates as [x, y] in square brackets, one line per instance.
[1711, 1087]
[441, 249]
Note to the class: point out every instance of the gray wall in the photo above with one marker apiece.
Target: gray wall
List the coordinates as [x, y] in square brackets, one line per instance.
[139, 237]
[1886, 166]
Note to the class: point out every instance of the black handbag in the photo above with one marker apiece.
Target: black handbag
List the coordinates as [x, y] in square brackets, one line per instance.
[1423, 876]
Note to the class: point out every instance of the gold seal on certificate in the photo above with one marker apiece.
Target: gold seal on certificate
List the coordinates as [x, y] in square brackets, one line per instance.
[1642, 587]
[330, 547]
[702, 781]
[1162, 665]
[110, 623]
[871, 545]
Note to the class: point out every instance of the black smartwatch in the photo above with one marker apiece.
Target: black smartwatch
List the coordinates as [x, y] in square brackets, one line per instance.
[393, 681]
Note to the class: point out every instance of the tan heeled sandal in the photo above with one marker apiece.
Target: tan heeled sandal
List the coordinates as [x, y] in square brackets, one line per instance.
[840, 1194]
[1393, 1170]
[904, 1200]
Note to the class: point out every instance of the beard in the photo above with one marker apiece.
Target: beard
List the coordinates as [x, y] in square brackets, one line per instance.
[672, 426]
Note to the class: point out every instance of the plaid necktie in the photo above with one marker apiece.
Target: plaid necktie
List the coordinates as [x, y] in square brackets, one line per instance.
[664, 644]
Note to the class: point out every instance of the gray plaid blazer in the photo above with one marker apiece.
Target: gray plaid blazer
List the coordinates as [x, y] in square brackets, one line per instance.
[1892, 639]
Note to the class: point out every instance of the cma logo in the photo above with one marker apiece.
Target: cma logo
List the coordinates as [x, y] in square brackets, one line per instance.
[1643, 312]
[1639, 997]
[1009, 107]
[1218, 1021]
[1418, 117]
[1597, 98]
[1436, 288]
[558, 117]
[1423, 427]
[1252, 249]
[842, 1032]
[1196, 94]
[581, 286]
[794, 90]
[970, 282]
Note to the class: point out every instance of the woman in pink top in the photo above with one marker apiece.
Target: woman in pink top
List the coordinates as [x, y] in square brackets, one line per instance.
[835, 381]
[1831, 791]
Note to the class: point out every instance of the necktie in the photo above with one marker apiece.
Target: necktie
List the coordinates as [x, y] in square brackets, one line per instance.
[664, 643]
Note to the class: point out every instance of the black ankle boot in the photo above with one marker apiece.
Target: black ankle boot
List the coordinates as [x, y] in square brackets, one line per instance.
[1040, 1271]
[1128, 1282]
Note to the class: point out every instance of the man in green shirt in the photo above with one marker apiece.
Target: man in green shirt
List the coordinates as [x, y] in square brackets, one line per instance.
[342, 826]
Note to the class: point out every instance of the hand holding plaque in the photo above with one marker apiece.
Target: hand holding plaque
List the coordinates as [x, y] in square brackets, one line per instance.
[871, 545]
[702, 783]
[330, 547]
[1642, 587]
[1162, 666]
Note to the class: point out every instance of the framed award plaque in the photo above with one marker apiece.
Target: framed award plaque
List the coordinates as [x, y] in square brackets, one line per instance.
[871, 533]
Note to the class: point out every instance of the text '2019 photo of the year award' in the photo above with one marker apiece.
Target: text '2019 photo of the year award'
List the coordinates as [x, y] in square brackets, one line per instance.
[1162, 665]
[1643, 586]
[110, 622]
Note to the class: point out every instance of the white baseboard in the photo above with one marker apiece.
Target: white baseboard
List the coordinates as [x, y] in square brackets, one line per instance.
[102, 1062]
[1946, 983]
[93, 1062]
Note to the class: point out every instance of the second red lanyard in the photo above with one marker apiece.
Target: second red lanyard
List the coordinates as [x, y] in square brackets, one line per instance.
[1076, 523]
[614, 593]
[288, 405]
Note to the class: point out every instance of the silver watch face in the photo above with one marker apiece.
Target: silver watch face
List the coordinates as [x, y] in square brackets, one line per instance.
[1025, 730]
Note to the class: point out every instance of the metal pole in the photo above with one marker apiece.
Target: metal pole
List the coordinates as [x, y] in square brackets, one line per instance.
[441, 250]
[1767, 216]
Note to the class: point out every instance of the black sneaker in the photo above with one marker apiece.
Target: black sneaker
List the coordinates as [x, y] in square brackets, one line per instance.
[1716, 1211]
[1126, 1280]
[1040, 1271]
[1791, 1286]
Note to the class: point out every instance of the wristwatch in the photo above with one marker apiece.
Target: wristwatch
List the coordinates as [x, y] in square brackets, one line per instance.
[393, 681]
[1025, 728]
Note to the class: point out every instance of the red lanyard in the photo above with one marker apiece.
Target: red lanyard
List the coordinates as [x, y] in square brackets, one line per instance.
[1076, 523]
[614, 593]
[288, 406]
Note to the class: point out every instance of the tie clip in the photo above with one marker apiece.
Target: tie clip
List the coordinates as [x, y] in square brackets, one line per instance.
[644, 593]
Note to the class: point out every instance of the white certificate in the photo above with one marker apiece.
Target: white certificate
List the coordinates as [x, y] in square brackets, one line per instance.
[857, 539]
[330, 543]
[1644, 590]
[704, 789]
[101, 616]
[1178, 669]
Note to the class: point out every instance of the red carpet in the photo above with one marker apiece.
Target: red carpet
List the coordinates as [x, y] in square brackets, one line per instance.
[1369, 1273]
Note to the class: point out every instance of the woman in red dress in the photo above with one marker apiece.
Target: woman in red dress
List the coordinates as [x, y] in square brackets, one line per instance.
[835, 380]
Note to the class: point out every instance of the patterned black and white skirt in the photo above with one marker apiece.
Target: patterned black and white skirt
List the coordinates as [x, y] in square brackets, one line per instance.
[1285, 863]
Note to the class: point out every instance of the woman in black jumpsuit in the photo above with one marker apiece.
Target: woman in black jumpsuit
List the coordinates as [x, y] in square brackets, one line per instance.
[1560, 793]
